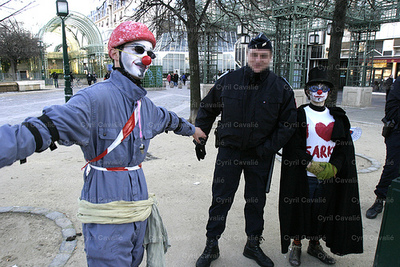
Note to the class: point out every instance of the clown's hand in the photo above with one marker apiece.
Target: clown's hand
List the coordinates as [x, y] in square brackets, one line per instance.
[315, 167]
[328, 172]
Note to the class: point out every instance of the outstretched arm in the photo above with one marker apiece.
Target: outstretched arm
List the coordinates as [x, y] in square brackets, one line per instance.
[64, 124]
[158, 119]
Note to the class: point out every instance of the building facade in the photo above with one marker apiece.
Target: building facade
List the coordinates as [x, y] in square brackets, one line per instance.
[384, 59]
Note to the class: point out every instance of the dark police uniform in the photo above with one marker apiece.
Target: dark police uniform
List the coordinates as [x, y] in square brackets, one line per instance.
[257, 112]
[392, 163]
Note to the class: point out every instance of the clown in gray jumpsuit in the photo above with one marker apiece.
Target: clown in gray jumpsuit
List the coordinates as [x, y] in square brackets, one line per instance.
[92, 119]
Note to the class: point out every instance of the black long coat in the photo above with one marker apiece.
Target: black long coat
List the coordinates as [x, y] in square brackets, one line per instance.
[339, 216]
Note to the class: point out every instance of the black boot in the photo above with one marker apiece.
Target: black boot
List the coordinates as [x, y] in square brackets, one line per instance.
[253, 251]
[315, 250]
[375, 209]
[295, 254]
[210, 253]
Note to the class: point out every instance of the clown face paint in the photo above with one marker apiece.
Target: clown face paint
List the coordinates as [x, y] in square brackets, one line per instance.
[318, 93]
[318, 98]
[132, 60]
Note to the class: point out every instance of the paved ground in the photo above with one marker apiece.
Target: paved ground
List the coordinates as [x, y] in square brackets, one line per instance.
[52, 180]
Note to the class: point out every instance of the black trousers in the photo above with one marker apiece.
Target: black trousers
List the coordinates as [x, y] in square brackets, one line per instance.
[392, 164]
[316, 197]
[229, 166]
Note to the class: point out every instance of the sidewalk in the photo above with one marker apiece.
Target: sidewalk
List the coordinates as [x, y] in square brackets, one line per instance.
[182, 184]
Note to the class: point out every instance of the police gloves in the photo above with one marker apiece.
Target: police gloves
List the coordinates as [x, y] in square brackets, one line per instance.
[323, 170]
[264, 153]
[200, 148]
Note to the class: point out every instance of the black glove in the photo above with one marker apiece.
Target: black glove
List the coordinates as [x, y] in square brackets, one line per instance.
[263, 152]
[200, 148]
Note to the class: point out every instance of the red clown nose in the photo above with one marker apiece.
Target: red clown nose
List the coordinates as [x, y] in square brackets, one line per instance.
[146, 60]
[318, 92]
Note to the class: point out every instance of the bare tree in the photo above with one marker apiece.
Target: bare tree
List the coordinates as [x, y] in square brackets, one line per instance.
[16, 44]
[335, 47]
[15, 12]
[187, 13]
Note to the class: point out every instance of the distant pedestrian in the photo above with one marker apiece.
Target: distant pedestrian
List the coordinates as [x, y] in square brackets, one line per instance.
[54, 75]
[94, 77]
[184, 78]
[89, 78]
[107, 75]
[175, 78]
[71, 77]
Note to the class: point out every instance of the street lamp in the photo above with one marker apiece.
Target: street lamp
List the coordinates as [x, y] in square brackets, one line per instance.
[243, 33]
[62, 12]
[41, 47]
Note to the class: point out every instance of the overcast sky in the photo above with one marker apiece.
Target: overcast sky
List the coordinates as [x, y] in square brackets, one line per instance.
[41, 11]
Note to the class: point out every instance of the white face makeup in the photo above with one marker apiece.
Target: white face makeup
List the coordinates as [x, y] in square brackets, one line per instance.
[132, 59]
[318, 97]
[318, 93]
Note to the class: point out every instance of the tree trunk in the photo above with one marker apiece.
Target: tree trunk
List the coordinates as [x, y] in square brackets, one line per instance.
[193, 46]
[13, 67]
[335, 47]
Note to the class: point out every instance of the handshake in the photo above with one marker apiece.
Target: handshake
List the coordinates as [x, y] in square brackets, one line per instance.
[323, 170]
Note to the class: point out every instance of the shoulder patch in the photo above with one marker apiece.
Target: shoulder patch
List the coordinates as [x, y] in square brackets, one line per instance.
[225, 73]
[286, 83]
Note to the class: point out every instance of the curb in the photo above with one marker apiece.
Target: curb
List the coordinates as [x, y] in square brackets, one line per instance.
[375, 165]
[68, 232]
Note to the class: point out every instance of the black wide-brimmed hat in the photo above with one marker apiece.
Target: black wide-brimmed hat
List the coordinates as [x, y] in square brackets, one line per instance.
[318, 75]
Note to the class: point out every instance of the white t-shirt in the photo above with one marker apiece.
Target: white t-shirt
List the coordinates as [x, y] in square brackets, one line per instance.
[319, 133]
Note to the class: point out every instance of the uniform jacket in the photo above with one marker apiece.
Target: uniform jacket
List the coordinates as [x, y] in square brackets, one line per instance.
[255, 109]
[92, 119]
[339, 217]
[393, 103]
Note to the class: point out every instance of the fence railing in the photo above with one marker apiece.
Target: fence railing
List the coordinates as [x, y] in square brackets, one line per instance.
[20, 76]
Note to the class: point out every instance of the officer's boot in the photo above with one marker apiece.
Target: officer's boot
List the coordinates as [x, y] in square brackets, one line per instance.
[210, 253]
[253, 251]
[375, 209]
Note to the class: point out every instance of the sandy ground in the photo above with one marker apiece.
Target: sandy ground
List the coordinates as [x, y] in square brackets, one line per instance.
[182, 184]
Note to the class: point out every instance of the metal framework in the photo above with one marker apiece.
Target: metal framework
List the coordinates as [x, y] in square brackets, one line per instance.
[209, 56]
[295, 20]
[82, 35]
[290, 50]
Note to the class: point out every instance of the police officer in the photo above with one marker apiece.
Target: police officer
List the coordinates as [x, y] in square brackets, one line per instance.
[257, 110]
[392, 163]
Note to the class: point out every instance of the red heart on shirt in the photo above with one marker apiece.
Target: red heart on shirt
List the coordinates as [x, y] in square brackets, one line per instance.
[324, 131]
